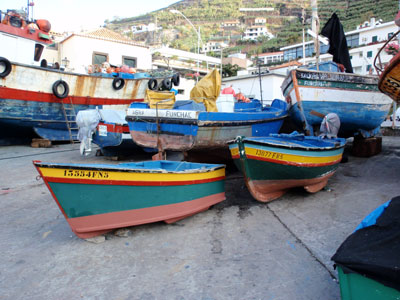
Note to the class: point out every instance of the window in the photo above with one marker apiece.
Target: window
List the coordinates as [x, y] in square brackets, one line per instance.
[369, 54]
[351, 57]
[390, 34]
[374, 38]
[99, 58]
[369, 67]
[38, 52]
[129, 61]
[352, 40]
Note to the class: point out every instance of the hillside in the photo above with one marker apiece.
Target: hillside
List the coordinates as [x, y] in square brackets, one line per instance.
[283, 21]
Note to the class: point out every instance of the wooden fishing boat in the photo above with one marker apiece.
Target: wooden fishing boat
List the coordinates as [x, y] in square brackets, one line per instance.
[186, 127]
[355, 98]
[389, 74]
[272, 165]
[96, 199]
[34, 96]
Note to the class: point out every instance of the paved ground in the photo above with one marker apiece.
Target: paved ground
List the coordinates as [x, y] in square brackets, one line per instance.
[239, 249]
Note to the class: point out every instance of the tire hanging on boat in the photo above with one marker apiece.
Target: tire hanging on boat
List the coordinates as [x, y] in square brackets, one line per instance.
[118, 83]
[176, 79]
[56, 86]
[166, 84]
[152, 84]
[7, 67]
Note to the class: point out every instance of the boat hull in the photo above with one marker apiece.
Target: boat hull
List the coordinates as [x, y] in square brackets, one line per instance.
[96, 199]
[354, 98]
[270, 171]
[27, 98]
[193, 130]
[115, 140]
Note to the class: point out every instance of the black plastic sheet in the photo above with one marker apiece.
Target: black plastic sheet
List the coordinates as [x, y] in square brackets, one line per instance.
[374, 251]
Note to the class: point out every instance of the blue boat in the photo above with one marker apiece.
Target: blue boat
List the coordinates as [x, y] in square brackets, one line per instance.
[355, 98]
[188, 126]
[108, 129]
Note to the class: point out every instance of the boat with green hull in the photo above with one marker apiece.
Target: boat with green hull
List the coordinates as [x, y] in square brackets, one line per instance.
[97, 198]
[272, 165]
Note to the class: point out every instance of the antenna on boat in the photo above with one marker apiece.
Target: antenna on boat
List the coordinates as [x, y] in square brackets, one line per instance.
[259, 77]
[315, 29]
[29, 5]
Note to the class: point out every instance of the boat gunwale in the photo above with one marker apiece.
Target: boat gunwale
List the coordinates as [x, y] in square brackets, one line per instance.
[127, 170]
[249, 141]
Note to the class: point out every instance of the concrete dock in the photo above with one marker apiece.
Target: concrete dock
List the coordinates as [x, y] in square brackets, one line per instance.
[239, 249]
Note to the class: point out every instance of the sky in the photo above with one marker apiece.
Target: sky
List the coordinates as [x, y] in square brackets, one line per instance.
[74, 15]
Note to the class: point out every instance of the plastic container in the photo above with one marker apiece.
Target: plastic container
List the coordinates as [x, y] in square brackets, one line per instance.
[225, 103]
[354, 286]
[328, 66]
[139, 105]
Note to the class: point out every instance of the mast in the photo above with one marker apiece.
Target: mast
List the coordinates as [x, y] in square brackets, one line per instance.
[315, 29]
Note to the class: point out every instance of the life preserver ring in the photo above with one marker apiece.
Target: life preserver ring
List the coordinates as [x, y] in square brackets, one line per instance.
[56, 86]
[176, 79]
[152, 84]
[118, 83]
[7, 67]
[166, 84]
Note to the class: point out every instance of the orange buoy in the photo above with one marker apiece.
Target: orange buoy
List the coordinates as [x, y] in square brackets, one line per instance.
[43, 25]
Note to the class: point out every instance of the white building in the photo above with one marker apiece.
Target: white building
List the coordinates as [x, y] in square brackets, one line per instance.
[256, 31]
[270, 57]
[79, 50]
[364, 43]
[249, 85]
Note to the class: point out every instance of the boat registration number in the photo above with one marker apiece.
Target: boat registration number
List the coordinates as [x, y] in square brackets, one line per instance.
[268, 154]
[86, 174]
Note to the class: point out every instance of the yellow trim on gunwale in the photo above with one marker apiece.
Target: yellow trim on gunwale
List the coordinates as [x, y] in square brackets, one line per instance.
[263, 154]
[128, 176]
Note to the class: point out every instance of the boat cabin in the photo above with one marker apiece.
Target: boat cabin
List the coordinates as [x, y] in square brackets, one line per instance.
[25, 39]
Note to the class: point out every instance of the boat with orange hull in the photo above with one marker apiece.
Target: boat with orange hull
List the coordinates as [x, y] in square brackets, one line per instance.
[96, 199]
[272, 165]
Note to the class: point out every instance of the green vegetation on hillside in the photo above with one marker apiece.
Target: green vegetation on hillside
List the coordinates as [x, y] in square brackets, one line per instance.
[284, 21]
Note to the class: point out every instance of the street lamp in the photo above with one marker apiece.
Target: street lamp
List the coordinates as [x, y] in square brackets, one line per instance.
[175, 11]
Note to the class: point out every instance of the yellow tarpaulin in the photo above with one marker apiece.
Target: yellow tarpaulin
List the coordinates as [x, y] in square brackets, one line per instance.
[207, 90]
[153, 97]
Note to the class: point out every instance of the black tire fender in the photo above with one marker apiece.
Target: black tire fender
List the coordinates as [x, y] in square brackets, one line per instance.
[7, 67]
[57, 93]
[118, 83]
[166, 84]
[152, 84]
[176, 79]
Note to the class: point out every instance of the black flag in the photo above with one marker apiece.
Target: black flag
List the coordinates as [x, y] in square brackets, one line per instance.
[333, 30]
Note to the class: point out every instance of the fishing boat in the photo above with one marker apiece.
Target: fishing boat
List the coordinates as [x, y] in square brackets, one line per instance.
[96, 199]
[107, 129]
[355, 98]
[311, 94]
[189, 125]
[271, 165]
[47, 99]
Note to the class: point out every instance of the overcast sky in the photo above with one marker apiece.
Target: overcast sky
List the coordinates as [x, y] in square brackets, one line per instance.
[84, 14]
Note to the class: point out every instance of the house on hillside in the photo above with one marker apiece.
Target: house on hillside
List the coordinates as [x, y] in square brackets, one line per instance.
[79, 50]
[364, 43]
[269, 57]
[253, 32]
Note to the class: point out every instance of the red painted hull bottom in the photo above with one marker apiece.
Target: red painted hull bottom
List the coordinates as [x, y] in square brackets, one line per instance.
[90, 226]
[168, 142]
[268, 190]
